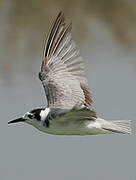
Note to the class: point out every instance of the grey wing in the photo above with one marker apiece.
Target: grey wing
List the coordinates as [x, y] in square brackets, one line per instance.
[62, 70]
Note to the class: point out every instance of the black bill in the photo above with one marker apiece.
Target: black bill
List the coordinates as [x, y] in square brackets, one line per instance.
[16, 120]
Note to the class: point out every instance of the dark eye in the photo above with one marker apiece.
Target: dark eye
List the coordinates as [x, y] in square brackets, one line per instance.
[30, 116]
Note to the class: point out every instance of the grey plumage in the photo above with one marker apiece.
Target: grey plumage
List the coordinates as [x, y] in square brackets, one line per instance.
[62, 71]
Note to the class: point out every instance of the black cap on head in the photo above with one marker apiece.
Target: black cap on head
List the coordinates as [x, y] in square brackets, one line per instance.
[36, 113]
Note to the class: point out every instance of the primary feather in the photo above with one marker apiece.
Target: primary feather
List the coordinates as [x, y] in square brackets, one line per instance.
[62, 71]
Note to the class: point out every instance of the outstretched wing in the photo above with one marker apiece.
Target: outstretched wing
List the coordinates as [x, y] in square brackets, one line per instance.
[62, 70]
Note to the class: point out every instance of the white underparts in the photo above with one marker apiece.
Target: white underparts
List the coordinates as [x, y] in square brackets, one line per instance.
[97, 124]
[44, 113]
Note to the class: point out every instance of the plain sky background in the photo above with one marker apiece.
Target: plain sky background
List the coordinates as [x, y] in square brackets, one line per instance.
[25, 152]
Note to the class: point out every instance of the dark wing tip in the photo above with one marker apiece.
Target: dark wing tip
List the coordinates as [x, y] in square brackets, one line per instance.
[59, 20]
[61, 14]
[56, 35]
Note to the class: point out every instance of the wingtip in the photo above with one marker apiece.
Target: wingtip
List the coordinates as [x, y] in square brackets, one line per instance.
[61, 15]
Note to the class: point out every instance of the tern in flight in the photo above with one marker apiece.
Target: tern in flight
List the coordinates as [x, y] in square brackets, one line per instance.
[69, 110]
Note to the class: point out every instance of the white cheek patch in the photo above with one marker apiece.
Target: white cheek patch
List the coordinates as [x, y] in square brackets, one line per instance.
[44, 114]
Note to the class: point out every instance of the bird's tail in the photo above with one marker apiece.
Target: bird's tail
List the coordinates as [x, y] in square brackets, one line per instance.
[117, 126]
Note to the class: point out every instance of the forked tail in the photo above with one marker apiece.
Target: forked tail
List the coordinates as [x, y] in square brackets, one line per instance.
[117, 126]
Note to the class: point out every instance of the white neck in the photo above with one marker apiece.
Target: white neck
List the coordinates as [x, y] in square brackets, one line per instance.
[44, 113]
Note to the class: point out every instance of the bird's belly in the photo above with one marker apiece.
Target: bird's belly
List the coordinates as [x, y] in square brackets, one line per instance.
[70, 128]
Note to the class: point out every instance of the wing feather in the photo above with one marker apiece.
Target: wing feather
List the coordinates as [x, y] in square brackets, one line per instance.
[62, 70]
[56, 25]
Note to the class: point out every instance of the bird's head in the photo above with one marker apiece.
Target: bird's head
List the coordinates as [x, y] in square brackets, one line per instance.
[34, 117]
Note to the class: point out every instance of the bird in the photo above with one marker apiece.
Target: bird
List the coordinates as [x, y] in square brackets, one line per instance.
[69, 103]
